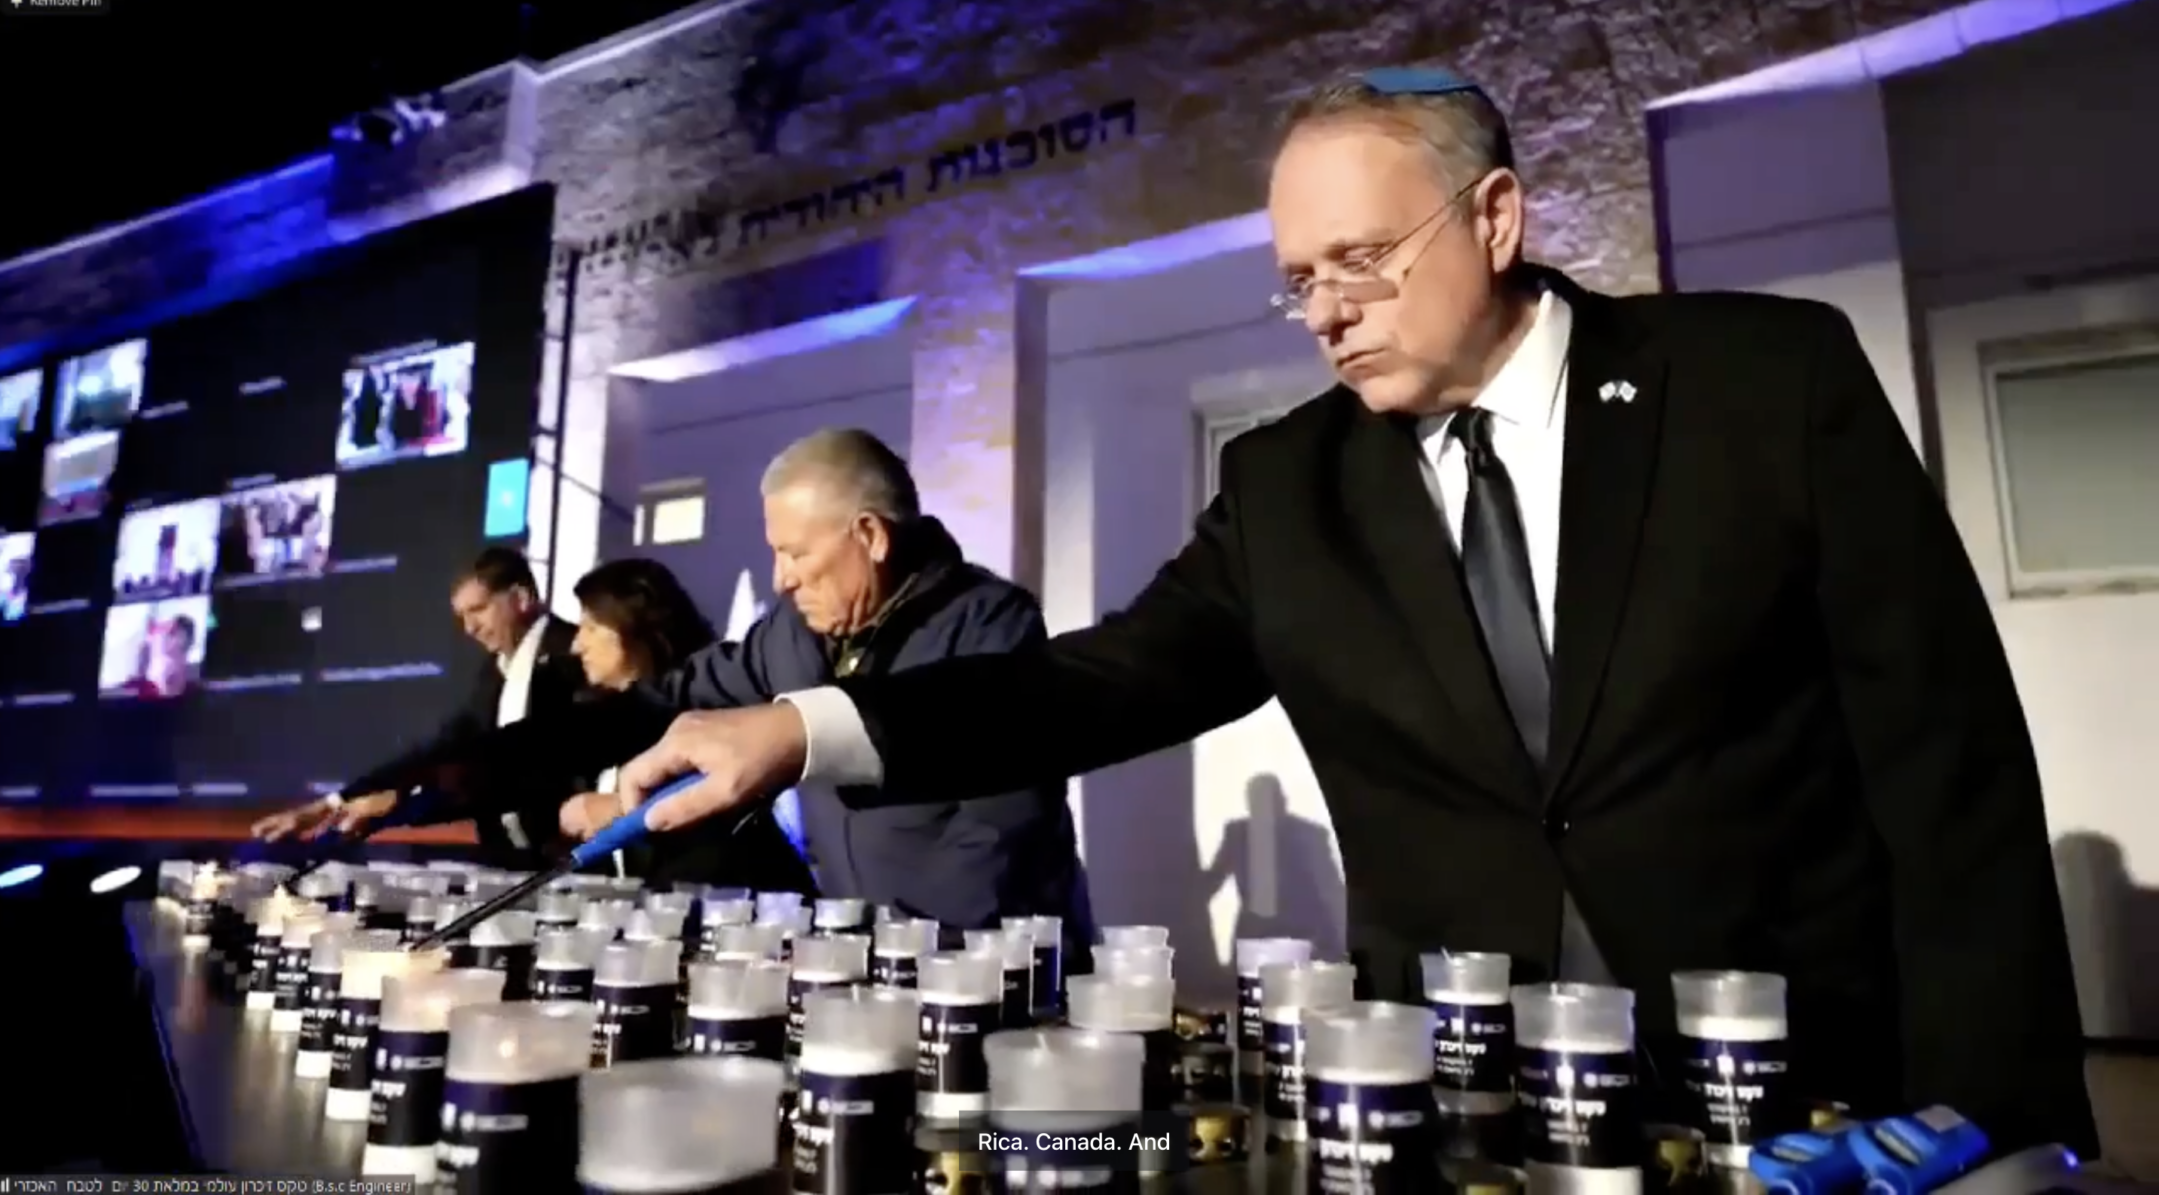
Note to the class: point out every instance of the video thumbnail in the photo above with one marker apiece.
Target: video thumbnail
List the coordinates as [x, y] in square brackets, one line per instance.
[18, 406]
[166, 552]
[100, 391]
[417, 404]
[154, 649]
[77, 474]
[15, 553]
[275, 531]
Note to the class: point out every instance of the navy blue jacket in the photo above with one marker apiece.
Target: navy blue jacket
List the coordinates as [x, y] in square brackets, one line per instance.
[964, 863]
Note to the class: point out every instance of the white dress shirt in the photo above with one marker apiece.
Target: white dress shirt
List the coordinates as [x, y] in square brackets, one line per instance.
[513, 704]
[1527, 400]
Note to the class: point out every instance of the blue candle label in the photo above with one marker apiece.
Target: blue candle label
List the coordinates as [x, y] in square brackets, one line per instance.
[855, 1132]
[318, 1014]
[352, 1043]
[1282, 1046]
[1373, 1139]
[1019, 1012]
[1251, 1038]
[949, 1058]
[635, 1023]
[262, 965]
[1024, 1167]
[1161, 1076]
[292, 978]
[463, 955]
[514, 960]
[749, 1037]
[1473, 1047]
[895, 970]
[499, 1137]
[563, 983]
[1739, 1090]
[415, 929]
[798, 990]
[1579, 1109]
[1048, 980]
[375, 918]
[405, 1095]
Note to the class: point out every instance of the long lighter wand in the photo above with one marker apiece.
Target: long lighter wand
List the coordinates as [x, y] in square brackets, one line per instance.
[625, 831]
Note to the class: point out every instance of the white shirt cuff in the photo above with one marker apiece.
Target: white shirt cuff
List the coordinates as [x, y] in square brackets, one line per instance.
[839, 749]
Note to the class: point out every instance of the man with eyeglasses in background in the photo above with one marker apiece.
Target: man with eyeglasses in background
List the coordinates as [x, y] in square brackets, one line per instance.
[1626, 636]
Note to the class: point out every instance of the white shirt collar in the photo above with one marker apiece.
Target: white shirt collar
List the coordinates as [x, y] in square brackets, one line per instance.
[527, 646]
[1526, 390]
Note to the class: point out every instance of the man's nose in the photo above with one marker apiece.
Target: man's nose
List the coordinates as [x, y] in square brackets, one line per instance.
[1325, 313]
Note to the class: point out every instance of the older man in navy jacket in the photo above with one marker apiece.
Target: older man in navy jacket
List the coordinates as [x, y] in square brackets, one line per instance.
[871, 586]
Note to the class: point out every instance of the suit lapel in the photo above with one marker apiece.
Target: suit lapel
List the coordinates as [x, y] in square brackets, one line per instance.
[1392, 515]
[1610, 461]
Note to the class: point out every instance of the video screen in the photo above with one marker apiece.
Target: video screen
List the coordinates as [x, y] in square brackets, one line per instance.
[100, 391]
[16, 552]
[166, 552]
[78, 474]
[154, 649]
[211, 593]
[277, 531]
[412, 404]
[18, 406]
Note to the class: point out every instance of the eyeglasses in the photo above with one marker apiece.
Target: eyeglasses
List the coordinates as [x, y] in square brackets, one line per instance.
[1363, 279]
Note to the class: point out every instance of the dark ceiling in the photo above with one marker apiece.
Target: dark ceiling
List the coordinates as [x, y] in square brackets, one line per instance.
[108, 116]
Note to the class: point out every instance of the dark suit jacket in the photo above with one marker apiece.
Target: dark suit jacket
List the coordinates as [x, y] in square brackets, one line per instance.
[557, 679]
[1785, 735]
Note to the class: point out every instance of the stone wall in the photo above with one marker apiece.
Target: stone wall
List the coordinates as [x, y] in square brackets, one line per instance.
[971, 142]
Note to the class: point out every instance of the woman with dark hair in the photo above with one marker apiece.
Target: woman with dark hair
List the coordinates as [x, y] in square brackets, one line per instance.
[636, 623]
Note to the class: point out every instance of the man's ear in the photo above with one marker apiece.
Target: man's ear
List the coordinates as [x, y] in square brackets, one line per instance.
[875, 536]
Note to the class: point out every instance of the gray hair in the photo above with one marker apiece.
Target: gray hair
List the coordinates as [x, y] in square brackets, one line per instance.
[1465, 129]
[850, 466]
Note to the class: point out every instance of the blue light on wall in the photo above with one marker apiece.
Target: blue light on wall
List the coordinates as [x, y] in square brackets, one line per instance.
[509, 490]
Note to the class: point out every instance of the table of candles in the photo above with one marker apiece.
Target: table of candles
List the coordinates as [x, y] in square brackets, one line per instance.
[615, 1039]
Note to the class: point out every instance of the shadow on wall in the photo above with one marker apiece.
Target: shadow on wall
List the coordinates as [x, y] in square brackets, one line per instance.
[1288, 882]
[2113, 937]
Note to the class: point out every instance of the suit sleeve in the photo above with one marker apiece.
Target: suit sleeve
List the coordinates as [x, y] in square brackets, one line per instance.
[1990, 1020]
[484, 774]
[1176, 663]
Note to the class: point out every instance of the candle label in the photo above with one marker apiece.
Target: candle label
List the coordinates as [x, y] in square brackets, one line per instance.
[339, 901]
[787, 948]
[855, 1132]
[895, 970]
[404, 1105]
[498, 1137]
[1251, 1037]
[292, 978]
[1579, 1109]
[262, 965]
[373, 917]
[799, 989]
[463, 955]
[1161, 1076]
[635, 1023]
[838, 926]
[948, 1050]
[1473, 1047]
[1029, 1168]
[318, 1014]
[1374, 1139]
[543, 922]
[352, 1042]
[198, 918]
[750, 1037]
[1282, 1046]
[560, 983]
[1019, 1003]
[1739, 1090]
[1048, 980]
[415, 929]
[514, 960]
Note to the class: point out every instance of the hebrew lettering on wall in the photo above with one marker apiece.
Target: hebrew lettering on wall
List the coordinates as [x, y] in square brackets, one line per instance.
[676, 238]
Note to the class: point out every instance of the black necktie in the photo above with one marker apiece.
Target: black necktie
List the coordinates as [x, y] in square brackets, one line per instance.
[1495, 565]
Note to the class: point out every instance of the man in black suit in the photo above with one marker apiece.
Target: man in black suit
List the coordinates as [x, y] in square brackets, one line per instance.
[532, 671]
[1729, 698]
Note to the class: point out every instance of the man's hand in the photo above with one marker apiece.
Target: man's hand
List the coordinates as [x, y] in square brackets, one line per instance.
[355, 814]
[306, 821]
[584, 814]
[746, 755]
